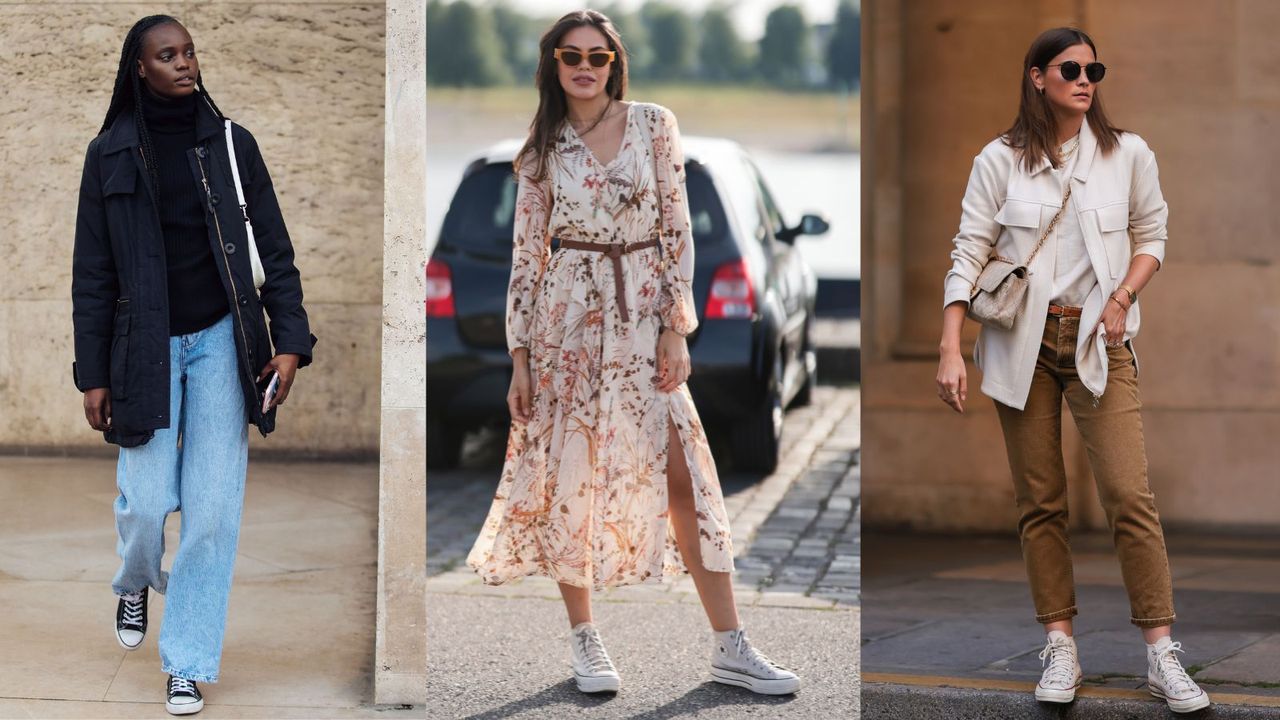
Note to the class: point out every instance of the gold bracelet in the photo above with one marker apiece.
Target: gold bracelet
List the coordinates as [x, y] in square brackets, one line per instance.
[1122, 307]
[1133, 294]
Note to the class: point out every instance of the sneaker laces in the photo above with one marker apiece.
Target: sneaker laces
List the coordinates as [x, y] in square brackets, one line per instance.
[132, 615]
[1062, 662]
[746, 651]
[179, 686]
[1172, 675]
[591, 648]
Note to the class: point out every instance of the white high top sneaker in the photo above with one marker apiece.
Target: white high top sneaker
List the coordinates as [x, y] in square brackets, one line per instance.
[592, 668]
[736, 662]
[1166, 679]
[1062, 677]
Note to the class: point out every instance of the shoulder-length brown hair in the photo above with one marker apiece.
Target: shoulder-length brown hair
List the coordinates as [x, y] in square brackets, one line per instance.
[1035, 131]
[553, 108]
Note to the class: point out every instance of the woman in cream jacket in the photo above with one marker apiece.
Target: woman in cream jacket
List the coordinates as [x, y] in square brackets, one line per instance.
[1064, 180]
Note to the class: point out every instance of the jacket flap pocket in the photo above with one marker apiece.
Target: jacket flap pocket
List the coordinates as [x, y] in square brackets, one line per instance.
[994, 273]
[1113, 217]
[122, 179]
[1019, 213]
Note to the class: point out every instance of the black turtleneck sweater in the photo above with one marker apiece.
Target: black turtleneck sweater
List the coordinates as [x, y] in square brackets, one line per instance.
[196, 296]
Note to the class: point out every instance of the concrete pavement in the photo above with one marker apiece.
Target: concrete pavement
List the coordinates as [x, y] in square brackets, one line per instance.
[299, 640]
[949, 629]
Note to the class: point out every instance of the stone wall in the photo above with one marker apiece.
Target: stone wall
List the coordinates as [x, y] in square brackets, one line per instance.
[307, 79]
[1198, 81]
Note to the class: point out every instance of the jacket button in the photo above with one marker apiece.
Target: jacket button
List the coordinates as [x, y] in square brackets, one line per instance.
[200, 153]
[243, 300]
[215, 198]
[230, 248]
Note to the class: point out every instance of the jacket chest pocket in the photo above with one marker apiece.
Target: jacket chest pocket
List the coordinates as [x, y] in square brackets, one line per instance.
[1021, 218]
[1113, 226]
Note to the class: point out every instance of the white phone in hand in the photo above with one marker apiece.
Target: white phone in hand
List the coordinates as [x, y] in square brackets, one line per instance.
[270, 393]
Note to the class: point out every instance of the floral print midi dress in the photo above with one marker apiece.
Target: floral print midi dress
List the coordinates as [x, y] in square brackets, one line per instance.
[583, 492]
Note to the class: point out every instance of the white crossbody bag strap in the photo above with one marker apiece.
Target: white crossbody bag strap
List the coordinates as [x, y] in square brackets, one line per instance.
[259, 275]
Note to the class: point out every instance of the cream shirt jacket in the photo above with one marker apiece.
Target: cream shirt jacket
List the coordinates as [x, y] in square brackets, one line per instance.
[1005, 210]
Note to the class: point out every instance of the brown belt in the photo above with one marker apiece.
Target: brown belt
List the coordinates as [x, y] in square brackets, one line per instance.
[1060, 311]
[615, 251]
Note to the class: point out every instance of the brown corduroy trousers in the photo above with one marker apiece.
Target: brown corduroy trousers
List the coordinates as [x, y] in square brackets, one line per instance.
[1112, 432]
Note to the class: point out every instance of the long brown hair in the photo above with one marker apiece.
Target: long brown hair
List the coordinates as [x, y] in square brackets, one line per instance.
[1035, 131]
[553, 108]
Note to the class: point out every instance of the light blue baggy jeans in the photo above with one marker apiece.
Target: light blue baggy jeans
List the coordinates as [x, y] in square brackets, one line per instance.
[196, 465]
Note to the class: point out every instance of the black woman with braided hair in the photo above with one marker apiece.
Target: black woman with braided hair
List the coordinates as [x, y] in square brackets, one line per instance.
[180, 247]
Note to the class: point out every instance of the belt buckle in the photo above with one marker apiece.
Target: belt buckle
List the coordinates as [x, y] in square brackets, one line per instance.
[615, 250]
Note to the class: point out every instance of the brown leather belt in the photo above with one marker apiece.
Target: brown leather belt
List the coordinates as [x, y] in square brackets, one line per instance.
[1060, 311]
[615, 251]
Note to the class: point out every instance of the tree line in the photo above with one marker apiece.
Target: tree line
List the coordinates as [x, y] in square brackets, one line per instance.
[480, 44]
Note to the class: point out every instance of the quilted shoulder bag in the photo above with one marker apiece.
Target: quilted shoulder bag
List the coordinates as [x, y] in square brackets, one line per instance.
[1001, 289]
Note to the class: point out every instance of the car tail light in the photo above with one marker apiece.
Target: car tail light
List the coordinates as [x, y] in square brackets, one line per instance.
[439, 290]
[731, 293]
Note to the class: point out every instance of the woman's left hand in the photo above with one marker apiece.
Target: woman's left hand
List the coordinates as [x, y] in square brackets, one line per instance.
[287, 365]
[673, 361]
[1113, 320]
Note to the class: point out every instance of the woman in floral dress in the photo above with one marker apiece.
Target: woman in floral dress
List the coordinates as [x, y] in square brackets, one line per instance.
[608, 478]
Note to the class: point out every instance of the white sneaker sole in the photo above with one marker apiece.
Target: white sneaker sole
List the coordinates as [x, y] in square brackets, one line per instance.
[763, 686]
[598, 684]
[1198, 702]
[126, 645]
[184, 708]
[1044, 694]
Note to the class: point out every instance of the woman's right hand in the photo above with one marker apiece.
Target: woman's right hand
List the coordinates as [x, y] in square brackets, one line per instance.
[520, 396]
[953, 382]
[97, 408]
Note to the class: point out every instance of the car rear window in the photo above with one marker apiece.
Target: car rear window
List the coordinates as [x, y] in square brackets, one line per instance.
[483, 209]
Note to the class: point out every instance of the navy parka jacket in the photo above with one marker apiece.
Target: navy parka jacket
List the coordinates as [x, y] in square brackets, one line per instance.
[119, 287]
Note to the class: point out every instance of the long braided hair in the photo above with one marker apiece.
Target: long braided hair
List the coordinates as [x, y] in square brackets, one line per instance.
[128, 89]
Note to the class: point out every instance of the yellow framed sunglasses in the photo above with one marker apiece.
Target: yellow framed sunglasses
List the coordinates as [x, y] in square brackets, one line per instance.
[573, 58]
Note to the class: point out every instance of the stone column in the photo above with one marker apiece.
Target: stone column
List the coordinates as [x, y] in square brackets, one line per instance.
[400, 674]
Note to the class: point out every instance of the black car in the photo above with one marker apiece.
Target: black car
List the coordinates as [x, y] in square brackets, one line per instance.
[752, 352]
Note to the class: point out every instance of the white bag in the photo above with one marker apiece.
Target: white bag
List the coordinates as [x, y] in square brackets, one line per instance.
[259, 275]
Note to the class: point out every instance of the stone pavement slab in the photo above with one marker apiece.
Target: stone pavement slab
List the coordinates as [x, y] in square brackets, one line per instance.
[299, 640]
[502, 657]
[951, 617]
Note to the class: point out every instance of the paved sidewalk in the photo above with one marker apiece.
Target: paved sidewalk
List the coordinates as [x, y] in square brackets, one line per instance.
[949, 630]
[299, 640]
[500, 652]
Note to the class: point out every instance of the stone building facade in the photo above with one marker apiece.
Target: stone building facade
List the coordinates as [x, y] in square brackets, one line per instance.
[307, 78]
[1201, 83]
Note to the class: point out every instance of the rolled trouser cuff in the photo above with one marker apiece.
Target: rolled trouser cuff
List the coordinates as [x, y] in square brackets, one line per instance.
[1057, 615]
[1153, 622]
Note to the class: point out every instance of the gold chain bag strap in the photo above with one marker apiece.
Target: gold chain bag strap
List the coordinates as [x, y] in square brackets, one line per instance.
[1001, 289]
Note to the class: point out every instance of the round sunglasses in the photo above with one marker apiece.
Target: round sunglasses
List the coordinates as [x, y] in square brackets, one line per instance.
[573, 58]
[1070, 70]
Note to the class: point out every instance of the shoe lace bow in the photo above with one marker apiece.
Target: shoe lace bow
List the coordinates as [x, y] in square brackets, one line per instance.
[1062, 662]
[1174, 677]
[592, 650]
